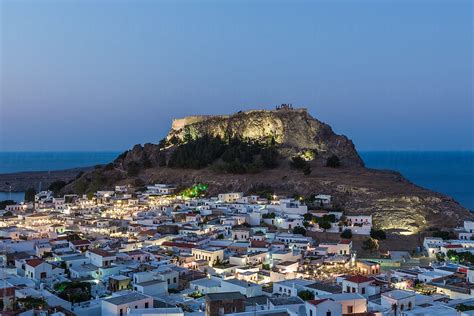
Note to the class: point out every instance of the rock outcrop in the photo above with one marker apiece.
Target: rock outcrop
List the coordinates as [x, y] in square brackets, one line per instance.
[293, 130]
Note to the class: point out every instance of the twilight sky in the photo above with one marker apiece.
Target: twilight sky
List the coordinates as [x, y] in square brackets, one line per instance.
[104, 75]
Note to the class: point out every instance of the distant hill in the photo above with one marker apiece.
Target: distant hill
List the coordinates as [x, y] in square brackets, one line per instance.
[285, 151]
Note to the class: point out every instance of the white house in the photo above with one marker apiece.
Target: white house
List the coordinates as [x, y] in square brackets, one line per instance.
[290, 287]
[323, 307]
[343, 247]
[358, 284]
[101, 258]
[468, 232]
[206, 285]
[322, 200]
[404, 300]
[210, 254]
[248, 289]
[432, 245]
[38, 269]
[351, 303]
[289, 206]
[151, 287]
[123, 304]
[231, 197]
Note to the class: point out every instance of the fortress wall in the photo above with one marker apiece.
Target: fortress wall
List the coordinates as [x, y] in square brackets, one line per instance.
[182, 122]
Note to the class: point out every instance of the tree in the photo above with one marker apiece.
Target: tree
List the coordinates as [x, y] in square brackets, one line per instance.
[7, 214]
[347, 234]
[30, 302]
[298, 162]
[270, 157]
[308, 216]
[441, 257]
[299, 230]
[90, 195]
[464, 307]
[30, 195]
[80, 186]
[306, 295]
[333, 162]
[370, 244]
[394, 309]
[324, 224]
[378, 234]
[220, 236]
[330, 218]
[443, 234]
[56, 186]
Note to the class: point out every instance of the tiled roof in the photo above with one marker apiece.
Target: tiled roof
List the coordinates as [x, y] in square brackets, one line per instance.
[359, 279]
[317, 302]
[178, 244]
[102, 252]
[34, 262]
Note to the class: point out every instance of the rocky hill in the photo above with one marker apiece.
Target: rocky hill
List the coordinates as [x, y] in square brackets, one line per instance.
[395, 203]
[294, 130]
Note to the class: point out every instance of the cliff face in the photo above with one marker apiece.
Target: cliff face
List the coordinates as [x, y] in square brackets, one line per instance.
[293, 130]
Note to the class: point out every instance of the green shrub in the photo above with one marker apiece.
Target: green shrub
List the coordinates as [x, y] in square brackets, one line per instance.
[299, 230]
[306, 295]
[347, 234]
[378, 234]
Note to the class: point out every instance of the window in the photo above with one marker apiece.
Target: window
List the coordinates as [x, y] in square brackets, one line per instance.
[168, 281]
[350, 309]
[146, 304]
[121, 312]
[348, 289]
[174, 280]
[310, 312]
[402, 307]
[328, 313]
[409, 305]
[363, 290]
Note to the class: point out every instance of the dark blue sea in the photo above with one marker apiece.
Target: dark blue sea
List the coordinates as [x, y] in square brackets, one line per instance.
[451, 173]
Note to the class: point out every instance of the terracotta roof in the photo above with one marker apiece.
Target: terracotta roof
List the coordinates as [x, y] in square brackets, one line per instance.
[102, 252]
[359, 279]
[258, 243]
[345, 241]
[80, 242]
[317, 302]
[178, 244]
[34, 262]
[453, 246]
[150, 232]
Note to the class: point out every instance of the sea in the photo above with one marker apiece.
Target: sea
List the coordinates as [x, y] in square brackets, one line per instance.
[451, 173]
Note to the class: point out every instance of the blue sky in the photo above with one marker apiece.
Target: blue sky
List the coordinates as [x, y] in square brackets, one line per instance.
[104, 75]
